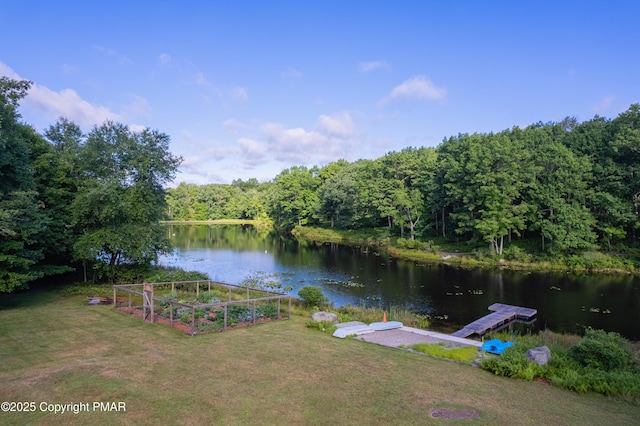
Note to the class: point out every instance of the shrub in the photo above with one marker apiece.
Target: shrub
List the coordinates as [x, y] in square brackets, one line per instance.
[512, 363]
[513, 252]
[312, 296]
[603, 351]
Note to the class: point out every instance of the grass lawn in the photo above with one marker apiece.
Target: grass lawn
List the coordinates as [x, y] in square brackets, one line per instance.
[55, 349]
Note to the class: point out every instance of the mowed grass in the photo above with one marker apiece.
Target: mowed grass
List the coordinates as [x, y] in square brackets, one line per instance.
[55, 349]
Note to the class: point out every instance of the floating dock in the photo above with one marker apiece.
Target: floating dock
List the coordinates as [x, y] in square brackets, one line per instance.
[500, 315]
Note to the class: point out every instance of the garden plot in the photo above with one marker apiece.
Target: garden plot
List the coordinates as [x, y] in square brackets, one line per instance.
[197, 307]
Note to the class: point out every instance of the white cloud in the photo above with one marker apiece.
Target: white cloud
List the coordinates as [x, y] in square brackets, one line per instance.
[339, 125]
[7, 71]
[253, 153]
[232, 126]
[67, 103]
[239, 94]
[69, 69]
[290, 73]
[372, 66]
[139, 107]
[164, 58]
[201, 80]
[48, 105]
[123, 60]
[418, 87]
[332, 138]
[603, 105]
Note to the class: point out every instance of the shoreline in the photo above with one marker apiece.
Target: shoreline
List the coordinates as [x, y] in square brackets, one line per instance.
[374, 238]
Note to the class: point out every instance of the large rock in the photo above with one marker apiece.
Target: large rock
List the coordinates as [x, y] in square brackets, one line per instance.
[540, 355]
[324, 316]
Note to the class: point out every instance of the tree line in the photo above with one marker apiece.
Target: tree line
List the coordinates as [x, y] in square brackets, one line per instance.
[92, 202]
[74, 201]
[564, 187]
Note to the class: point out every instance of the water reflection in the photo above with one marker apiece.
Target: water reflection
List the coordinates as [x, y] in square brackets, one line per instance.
[565, 302]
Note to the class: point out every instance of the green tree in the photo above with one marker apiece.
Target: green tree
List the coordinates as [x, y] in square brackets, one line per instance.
[626, 146]
[295, 196]
[339, 198]
[610, 201]
[21, 213]
[484, 177]
[121, 197]
[558, 196]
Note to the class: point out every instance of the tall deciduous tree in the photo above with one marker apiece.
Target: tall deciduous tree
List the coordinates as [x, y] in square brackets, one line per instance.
[484, 177]
[21, 214]
[121, 197]
[559, 193]
[295, 196]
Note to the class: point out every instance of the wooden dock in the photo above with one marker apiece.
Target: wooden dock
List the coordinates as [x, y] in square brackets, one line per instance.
[500, 315]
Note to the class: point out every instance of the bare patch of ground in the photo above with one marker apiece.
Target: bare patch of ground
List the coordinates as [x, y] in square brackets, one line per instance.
[454, 413]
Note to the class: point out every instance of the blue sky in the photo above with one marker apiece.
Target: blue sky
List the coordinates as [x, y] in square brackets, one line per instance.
[249, 88]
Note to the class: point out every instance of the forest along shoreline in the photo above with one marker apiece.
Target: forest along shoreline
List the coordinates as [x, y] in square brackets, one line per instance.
[418, 251]
[450, 254]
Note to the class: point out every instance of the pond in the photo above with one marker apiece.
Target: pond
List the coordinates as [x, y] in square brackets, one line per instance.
[453, 297]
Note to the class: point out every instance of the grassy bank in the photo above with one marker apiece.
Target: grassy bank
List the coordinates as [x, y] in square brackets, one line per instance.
[214, 222]
[466, 255]
[55, 349]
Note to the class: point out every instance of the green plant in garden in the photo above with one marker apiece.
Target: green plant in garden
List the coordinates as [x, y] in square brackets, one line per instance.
[270, 310]
[186, 317]
[207, 298]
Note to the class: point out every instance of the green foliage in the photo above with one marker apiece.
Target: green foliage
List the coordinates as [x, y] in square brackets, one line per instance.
[464, 354]
[269, 310]
[22, 218]
[207, 298]
[295, 197]
[511, 363]
[600, 362]
[515, 253]
[120, 200]
[186, 317]
[603, 351]
[312, 296]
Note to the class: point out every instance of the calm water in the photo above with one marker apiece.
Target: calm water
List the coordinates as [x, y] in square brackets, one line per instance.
[565, 302]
